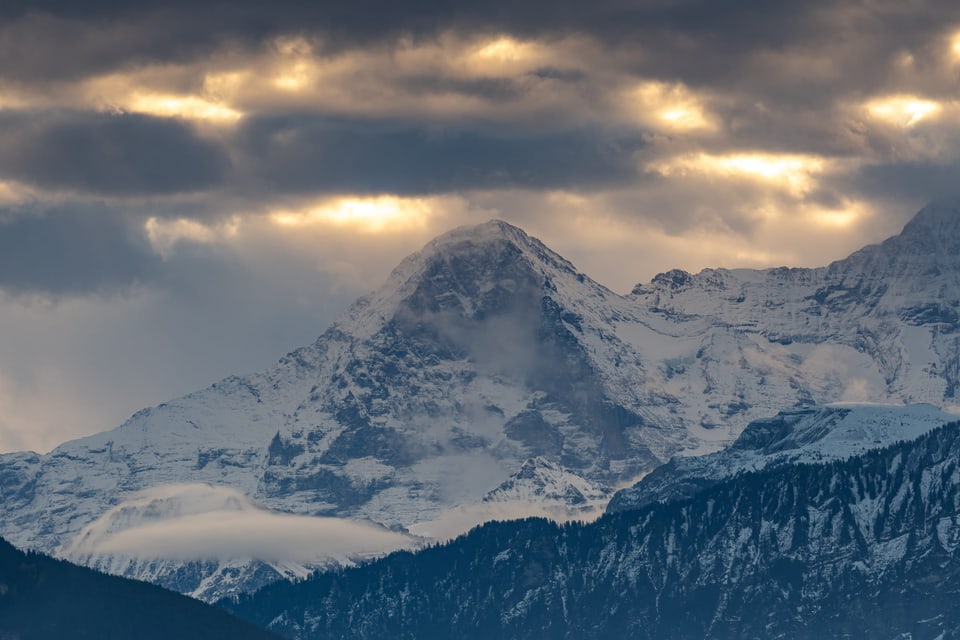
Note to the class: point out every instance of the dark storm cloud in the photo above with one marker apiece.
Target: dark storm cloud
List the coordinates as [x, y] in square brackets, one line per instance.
[317, 155]
[747, 19]
[694, 39]
[485, 88]
[72, 250]
[777, 71]
[919, 181]
[110, 153]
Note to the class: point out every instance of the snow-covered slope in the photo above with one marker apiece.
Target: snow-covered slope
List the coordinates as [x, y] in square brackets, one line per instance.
[880, 325]
[485, 351]
[810, 436]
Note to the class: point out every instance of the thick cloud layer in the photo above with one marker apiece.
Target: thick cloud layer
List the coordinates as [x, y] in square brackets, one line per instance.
[316, 155]
[107, 153]
[77, 249]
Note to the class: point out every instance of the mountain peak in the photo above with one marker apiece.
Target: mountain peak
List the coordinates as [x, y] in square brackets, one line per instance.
[940, 217]
[494, 229]
[486, 250]
[471, 238]
[928, 246]
[471, 270]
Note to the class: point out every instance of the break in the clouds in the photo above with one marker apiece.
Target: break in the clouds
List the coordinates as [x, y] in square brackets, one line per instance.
[209, 157]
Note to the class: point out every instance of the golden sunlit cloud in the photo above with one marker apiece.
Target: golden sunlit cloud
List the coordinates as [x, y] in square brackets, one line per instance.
[11, 98]
[186, 107]
[165, 234]
[504, 54]
[373, 78]
[955, 46]
[505, 49]
[294, 78]
[148, 91]
[222, 86]
[671, 107]
[291, 73]
[373, 214]
[839, 218]
[13, 193]
[372, 81]
[903, 110]
[295, 64]
[794, 172]
[846, 215]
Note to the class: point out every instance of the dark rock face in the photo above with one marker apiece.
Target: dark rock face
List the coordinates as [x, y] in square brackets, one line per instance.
[772, 435]
[867, 548]
[935, 313]
[535, 433]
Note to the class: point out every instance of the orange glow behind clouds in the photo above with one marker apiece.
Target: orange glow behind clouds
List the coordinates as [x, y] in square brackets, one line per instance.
[12, 193]
[794, 172]
[147, 91]
[666, 106]
[841, 217]
[186, 107]
[375, 214]
[903, 110]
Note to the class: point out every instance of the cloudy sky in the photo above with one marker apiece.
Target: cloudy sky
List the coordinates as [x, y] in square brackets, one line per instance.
[191, 189]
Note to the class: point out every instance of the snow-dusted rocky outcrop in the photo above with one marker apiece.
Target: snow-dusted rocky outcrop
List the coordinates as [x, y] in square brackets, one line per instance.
[801, 436]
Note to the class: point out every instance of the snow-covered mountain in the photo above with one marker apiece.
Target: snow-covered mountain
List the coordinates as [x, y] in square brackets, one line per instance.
[882, 323]
[488, 366]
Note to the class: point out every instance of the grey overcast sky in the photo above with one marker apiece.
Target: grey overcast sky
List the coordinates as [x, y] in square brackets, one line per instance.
[192, 189]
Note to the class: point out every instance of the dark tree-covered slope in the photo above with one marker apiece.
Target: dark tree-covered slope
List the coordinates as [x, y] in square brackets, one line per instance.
[867, 547]
[42, 598]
